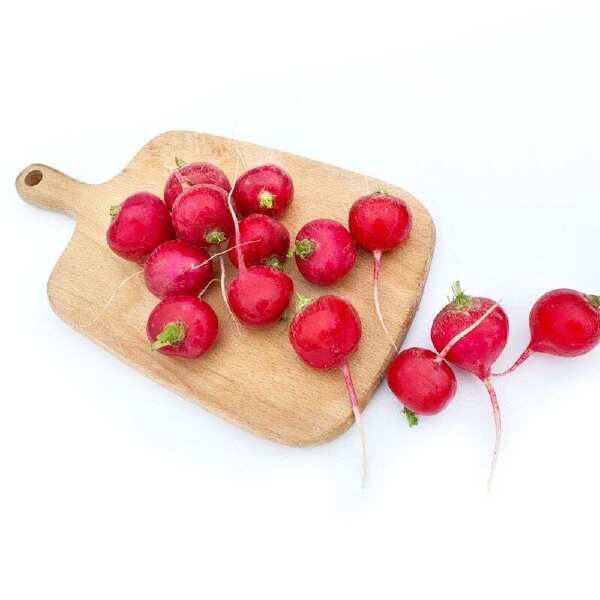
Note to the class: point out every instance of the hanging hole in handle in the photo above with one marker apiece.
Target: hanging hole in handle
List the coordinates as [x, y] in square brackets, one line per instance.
[33, 177]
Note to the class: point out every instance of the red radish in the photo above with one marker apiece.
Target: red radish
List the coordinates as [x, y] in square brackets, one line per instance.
[562, 322]
[182, 326]
[380, 222]
[140, 224]
[424, 384]
[324, 333]
[200, 215]
[325, 251]
[272, 241]
[471, 333]
[259, 294]
[266, 189]
[192, 174]
[176, 268]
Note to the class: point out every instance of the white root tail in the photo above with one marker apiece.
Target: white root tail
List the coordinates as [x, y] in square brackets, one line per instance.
[224, 294]
[376, 270]
[498, 427]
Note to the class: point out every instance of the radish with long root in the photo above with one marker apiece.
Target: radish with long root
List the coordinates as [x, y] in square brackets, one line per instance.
[564, 323]
[183, 326]
[176, 268]
[201, 217]
[325, 251]
[379, 223]
[324, 333]
[423, 383]
[272, 242]
[266, 189]
[138, 225]
[189, 174]
[259, 294]
[471, 332]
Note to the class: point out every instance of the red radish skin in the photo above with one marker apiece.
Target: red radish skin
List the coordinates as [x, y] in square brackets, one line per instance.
[140, 224]
[201, 217]
[272, 242]
[177, 268]
[266, 189]
[183, 326]
[379, 223]
[325, 251]
[564, 323]
[421, 382]
[472, 333]
[187, 175]
[324, 333]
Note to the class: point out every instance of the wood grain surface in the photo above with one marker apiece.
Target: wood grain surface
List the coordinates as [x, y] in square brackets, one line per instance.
[254, 379]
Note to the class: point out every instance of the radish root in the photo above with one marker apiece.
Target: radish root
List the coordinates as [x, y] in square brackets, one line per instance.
[356, 410]
[498, 427]
[224, 294]
[376, 270]
[528, 352]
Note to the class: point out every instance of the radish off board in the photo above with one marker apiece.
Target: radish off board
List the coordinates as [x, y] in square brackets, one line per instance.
[254, 380]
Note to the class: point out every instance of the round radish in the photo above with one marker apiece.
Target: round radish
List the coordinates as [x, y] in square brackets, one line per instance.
[379, 222]
[325, 251]
[266, 189]
[423, 383]
[139, 225]
[193, 174]
[176, 268]
[272, 241]
[563, 322]
[471, 333]
[324, 333]
[182, 326]
[201, 217]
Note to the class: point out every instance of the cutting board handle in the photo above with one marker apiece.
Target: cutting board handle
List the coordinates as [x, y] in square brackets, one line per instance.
[46, 187]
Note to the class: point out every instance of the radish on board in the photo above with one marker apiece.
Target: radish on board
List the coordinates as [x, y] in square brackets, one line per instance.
[201, 217]
[175, 268]
[562, 322]
[266, 189]
[183, 326]
[379, 223]
[324, 251]
[471, 332]
[189, 174]
[270, 242]
[324, 333]
[422, 382]
[138, 225]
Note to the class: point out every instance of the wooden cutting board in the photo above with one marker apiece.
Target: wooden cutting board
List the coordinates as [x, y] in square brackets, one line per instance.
[254, 379]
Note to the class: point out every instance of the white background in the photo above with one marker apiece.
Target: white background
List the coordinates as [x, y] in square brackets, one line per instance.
[112, 487]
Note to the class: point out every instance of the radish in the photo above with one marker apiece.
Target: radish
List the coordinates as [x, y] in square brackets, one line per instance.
[380, 222]
[266, 189]
[192, 174]
[272, 241]
[562, 322]
[324, 333]
[471, 333]
[200, 215]
[259, 294]
[140, 224]
[325, 251]
[182, 326]
[176, 268]
[424, 384]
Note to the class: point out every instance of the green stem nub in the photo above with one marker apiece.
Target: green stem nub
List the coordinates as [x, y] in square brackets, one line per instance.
[180, 162]
[381, 191]
[594, 299]
[274, 262]
[459, 299]
[172, 334]
[216, 236]
[304, 248]
[302, 302]
[411, 417]
[114, 210]
[266, 199]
